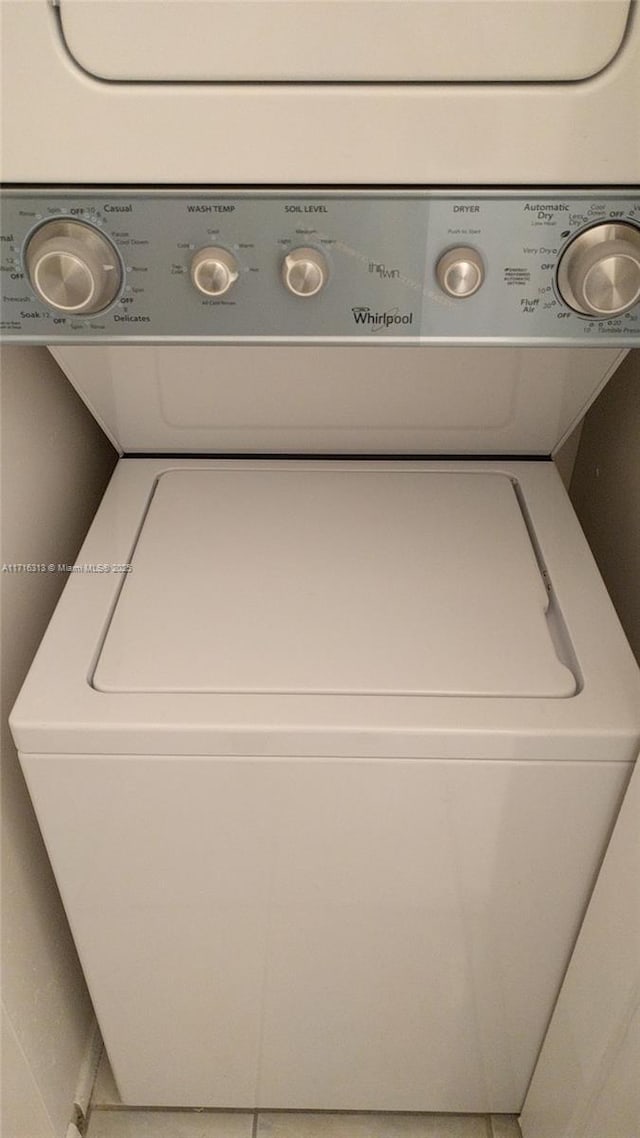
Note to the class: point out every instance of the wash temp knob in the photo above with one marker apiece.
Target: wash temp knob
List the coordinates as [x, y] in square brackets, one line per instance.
[73, 267]
[460, 272]
[305, 271]
[599, 271]
[214, 271]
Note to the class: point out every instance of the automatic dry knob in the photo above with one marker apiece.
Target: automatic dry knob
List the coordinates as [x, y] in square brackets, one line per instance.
[460, 272]
[73, 267]
[305, 271]
[214, 271]
[599, 272]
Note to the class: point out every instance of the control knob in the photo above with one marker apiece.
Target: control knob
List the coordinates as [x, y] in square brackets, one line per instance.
[599, 271]
[460, 272]
[305, 271]
[73, 267]
[214, 271]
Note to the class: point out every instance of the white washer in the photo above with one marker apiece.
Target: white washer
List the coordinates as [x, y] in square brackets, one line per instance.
[327, 777]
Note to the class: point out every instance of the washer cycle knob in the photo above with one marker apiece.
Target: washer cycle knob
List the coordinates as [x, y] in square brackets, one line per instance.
[73, 267]
[305, 271]
[460, 272]
[214, 271]
[599, 271]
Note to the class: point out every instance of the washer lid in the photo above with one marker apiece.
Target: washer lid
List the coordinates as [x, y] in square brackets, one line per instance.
[333, 581]
[344, 40]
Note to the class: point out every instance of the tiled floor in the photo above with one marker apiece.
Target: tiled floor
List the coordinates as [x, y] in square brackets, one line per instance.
[110, 1119]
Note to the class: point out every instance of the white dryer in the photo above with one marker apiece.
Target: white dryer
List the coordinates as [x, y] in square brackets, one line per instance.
[321, 92]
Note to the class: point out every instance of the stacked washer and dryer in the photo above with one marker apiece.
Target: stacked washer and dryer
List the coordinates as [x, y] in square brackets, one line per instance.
[330, 727]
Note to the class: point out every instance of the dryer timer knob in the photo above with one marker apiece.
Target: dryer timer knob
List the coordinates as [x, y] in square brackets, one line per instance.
[599, 271]
[73, 267]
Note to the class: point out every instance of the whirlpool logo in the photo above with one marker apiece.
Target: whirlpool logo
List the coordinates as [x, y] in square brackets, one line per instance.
[377, 321]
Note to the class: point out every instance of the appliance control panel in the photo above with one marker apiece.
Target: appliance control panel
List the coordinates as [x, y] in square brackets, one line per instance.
[411, 266]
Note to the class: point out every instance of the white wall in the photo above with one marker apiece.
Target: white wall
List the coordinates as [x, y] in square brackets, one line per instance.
[586, 1081]
[55, 464]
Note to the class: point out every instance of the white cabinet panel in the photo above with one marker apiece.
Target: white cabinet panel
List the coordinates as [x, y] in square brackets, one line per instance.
[326, 934]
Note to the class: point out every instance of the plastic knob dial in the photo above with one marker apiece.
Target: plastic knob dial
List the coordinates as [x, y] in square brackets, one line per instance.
[599, 271]
[214, 271]
[460, 272]
[73, 267]
[305, 272]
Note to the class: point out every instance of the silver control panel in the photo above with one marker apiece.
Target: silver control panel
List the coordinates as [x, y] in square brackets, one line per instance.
[518, 267]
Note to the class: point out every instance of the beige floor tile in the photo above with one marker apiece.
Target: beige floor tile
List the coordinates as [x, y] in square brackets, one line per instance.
[169, 1124]
[505, 1126]
[320, 1125]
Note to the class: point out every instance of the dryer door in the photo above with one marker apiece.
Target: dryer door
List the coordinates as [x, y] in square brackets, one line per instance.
[450, 41]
